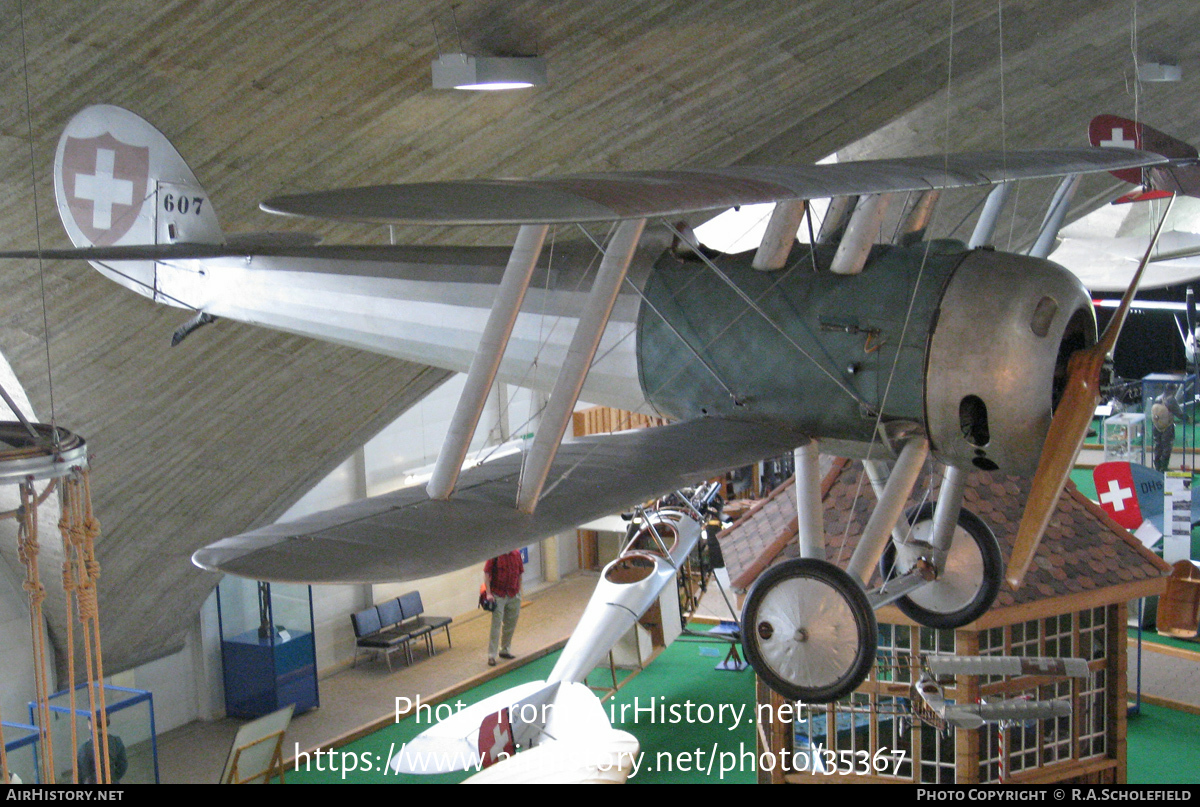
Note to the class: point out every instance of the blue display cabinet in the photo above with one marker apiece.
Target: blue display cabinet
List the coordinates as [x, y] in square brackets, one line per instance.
[21, 749]
[132, 736]
[267, 648]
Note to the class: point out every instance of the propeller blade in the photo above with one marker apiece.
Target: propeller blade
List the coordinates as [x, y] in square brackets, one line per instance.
[1068, 428]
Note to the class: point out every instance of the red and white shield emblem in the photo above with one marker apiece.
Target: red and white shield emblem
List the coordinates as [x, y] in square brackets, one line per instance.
[105, 184]
[496, 738]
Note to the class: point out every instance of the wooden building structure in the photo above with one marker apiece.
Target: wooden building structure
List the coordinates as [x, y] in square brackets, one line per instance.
[1074, 602]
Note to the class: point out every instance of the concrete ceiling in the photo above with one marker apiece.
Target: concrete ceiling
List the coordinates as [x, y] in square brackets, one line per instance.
[264, 96]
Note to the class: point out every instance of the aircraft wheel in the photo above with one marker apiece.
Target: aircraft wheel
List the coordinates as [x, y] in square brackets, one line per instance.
[967, 585]
[809, 631]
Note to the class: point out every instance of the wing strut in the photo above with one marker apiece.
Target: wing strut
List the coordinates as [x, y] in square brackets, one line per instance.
[985, 228]
[482, 373]
[596, 311]
[918, 212]
[861, 234]
[777, 241]
[1055, 215]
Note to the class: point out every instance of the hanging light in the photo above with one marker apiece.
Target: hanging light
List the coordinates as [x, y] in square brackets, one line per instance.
[458, 71]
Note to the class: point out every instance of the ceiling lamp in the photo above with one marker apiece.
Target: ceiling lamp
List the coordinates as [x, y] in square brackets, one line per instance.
[1155, 71]
[458, 71]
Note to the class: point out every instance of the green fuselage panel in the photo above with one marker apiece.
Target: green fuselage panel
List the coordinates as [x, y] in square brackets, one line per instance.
[831, 352]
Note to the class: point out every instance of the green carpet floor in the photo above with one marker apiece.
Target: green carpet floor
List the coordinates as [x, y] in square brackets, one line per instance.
[1163, 746]
[653, 705]
[1152, 637]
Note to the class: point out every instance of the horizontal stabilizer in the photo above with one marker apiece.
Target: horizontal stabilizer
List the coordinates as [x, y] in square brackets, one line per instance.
[1006, 665]
[404, 535]
[452, 744]
[634, 195]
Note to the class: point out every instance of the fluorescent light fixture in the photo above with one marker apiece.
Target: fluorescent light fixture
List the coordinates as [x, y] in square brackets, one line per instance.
[1155, 71]
[458, 71]
[1143, 305]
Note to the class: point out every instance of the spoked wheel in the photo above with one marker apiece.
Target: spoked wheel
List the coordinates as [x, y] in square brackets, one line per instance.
[809, 631]
[968, 584]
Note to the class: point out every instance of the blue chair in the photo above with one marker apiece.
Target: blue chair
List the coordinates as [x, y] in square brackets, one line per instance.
[369, 636]
[420, 625]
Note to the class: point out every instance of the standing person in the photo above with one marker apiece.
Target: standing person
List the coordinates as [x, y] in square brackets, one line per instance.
[118, 761]
[502, 580]
[1163, 412]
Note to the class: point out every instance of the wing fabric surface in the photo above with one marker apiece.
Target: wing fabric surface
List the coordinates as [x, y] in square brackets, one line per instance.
[1006, 665]
[1020, 710]
[254, 249]
[404, 535]
[615, 196]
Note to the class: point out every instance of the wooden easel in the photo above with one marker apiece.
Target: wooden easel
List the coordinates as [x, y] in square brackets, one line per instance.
[274, 766]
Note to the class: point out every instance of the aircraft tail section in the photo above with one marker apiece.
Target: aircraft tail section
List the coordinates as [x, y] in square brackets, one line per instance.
[1115, 131]
[496, 728]
[119, 182]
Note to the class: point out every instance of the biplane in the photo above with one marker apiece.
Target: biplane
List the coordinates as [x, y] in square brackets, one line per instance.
[886, 349]
[930, 705]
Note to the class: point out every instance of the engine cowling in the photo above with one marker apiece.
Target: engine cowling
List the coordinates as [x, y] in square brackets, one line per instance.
[1007, 324]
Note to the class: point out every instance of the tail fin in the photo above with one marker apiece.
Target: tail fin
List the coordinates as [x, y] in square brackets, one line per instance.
[119, 181]
[1115, 131]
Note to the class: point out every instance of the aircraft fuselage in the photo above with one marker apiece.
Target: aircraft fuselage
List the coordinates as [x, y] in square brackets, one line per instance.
[964, 344]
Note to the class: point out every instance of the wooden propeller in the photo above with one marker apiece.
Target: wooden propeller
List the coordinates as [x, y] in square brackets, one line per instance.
[1068, 428]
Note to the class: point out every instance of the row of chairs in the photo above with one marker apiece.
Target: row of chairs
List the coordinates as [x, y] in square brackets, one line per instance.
[393, 625]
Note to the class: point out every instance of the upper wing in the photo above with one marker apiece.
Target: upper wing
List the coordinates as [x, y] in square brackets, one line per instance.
[615, 196]
[1006, 665]
[404, 535]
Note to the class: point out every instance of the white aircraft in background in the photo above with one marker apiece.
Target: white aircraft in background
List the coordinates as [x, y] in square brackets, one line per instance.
[889, 352]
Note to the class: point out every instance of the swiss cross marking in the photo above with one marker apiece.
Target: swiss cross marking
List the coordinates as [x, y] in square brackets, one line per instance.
[103, 189]
[1116, 495]
[1118, 141]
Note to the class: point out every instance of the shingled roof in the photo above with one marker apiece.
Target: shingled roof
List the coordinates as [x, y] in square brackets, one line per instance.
[1083, 553]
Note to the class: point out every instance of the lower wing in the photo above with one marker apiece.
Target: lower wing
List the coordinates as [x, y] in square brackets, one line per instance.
[404, 535]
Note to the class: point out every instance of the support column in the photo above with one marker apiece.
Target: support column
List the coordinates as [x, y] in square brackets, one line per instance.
[550, 559]
[861, 235]
[945, 513]
[777, 241]
[918, 211]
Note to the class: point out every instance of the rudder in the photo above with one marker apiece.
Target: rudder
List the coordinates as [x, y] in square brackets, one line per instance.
[118, 181]
[1115, 131]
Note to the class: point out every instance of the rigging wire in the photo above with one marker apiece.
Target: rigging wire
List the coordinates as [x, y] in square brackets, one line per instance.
[916, 285]
[37, 226]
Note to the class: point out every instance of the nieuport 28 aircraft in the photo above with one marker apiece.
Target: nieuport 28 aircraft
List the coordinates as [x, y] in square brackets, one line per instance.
[888, 350]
